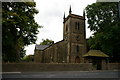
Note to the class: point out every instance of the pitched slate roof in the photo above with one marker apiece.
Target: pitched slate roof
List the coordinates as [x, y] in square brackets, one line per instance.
[95, 53]
[41, 47]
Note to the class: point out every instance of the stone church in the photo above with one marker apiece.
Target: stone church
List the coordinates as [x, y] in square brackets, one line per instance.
[71, 48]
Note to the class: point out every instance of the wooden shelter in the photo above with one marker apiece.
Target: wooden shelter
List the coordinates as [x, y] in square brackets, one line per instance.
[95, 53]
[96, 57]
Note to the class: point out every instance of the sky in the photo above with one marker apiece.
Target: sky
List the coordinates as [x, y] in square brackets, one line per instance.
[50, 16]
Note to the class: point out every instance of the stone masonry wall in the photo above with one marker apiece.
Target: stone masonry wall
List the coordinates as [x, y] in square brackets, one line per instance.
[38, 67]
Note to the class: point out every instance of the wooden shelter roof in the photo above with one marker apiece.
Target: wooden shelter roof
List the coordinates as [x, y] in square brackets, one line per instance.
[95, 53]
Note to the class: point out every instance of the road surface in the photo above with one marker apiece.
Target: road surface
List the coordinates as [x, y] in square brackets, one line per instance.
[64, 74]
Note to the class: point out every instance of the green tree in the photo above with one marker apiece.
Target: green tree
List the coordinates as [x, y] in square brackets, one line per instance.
[28, 58]
[46, 42]
[19, 29]
[103, 21]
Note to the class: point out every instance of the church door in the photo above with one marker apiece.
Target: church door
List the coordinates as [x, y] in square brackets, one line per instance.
[77, 59]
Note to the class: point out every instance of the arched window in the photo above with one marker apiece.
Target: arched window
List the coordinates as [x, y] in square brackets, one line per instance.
[77, 48]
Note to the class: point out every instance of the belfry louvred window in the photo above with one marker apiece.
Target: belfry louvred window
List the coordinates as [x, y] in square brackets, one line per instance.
[77, 25]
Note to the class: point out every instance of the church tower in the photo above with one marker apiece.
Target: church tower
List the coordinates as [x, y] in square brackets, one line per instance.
[75, 36]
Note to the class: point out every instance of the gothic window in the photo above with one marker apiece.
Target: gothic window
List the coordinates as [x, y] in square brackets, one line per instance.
[77, 48]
